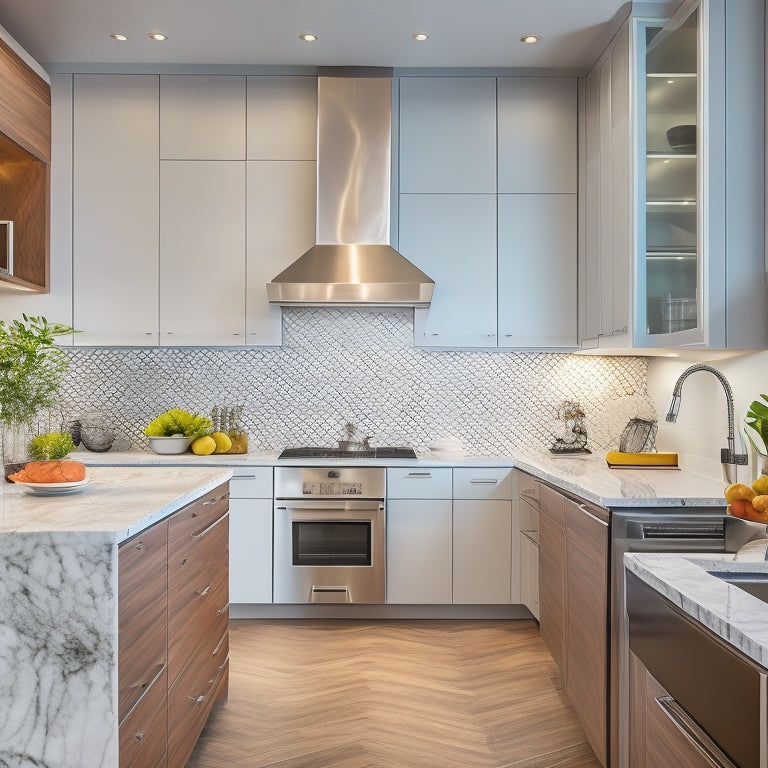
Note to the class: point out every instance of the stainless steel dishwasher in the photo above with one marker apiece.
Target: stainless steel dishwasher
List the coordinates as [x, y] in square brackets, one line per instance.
[663, 529]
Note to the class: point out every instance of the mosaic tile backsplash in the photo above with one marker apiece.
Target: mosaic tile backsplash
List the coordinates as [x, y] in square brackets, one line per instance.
[342, 365]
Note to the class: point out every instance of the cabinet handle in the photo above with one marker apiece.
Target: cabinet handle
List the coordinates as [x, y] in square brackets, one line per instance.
[214, 500]
[145, 687]
[140, 736]
[242, 477]
[222, 610]
[590, 515]
[220, 643]
[198, 536]
[484, 481]
[139, 545]
[197, 699]
[693, 733]
[419, 475]
[205, 591]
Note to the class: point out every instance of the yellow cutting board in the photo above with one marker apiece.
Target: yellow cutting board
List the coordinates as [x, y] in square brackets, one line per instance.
[620, 460]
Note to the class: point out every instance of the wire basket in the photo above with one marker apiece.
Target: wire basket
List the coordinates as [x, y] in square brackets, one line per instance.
[639, 436]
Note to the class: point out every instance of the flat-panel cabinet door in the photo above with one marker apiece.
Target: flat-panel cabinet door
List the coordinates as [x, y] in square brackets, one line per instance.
[448, 134]
[538, 135]
[115, 209]
[453, 239]
[482, 551]
[202, 117]
[419, 534]
[250, 550]
[280, 226]
[202, 253]
[282, 117]
[537, 270]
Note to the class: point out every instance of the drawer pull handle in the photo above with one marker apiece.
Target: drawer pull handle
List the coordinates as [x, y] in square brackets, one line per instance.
[139, 546]
[484, 481]
[139, 736]
[529, 493]
[198, 536]
[419, 475]
[145, 687]
[591, 516]
[204, 592]
[214, 500]
[222, 610]
[693, 733]
[220, 643]
[197, 699]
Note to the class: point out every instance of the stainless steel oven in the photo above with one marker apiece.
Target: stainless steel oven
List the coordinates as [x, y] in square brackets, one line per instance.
[330, 535]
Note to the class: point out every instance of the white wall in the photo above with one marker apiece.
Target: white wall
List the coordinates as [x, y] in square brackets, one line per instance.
[701, 428]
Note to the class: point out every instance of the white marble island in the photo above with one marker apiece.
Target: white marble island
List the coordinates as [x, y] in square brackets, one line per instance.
[58, 609]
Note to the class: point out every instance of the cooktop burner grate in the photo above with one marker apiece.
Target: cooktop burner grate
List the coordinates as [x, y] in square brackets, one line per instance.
[397, 452]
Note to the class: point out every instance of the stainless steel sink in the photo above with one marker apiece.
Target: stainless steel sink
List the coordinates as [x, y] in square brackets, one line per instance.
[754, 582]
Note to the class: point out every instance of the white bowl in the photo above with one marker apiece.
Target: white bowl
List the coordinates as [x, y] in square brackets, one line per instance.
[173, 444]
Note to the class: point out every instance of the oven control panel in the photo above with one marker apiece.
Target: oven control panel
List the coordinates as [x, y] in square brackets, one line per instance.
[315, 488]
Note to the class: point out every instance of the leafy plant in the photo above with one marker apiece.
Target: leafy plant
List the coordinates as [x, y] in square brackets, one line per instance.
[52, 446]
[179, 422]
[32, 367]
[756, 424]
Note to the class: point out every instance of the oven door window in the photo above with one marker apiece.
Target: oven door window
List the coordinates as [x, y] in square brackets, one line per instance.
[331, 543]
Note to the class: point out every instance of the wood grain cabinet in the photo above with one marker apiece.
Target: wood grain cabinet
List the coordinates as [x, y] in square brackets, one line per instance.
[25, 154]
[529, 503]
[573, 593]
[173, 615]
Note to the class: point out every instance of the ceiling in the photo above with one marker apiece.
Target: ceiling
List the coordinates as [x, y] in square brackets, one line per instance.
[463, 33]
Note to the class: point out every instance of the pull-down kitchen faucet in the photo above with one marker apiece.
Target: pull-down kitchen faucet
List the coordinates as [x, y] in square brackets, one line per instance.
[727, 455]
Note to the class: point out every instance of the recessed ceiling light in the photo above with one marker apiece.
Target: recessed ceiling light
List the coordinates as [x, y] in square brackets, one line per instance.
[420, 36]
[308, 37]
[157, 35]
[119, 37]
[530, 39]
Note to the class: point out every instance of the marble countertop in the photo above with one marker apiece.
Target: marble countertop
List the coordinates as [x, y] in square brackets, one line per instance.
[116, 500]
[585, 476]
[731, 613]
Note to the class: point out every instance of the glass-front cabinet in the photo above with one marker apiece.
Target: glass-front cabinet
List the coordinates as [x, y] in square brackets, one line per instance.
[670, 242]
[675, 193]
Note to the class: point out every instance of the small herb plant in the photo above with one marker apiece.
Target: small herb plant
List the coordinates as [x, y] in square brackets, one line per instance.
[32, 368]
[51, 447]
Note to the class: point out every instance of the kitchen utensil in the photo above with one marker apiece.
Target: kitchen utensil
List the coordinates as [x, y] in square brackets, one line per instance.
[639, 436]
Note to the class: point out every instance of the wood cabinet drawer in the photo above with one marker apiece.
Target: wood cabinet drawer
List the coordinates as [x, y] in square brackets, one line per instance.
[191, 523]
[189, 701]
[142, 613]
[552, 505]
[482, 483]
[199, 551]
[201, 623]
[427, 483]
[251, 483]
[588, 529]
[144, 732]
[529, 488]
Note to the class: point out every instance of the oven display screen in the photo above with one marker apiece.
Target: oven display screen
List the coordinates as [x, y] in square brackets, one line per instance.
[332, 489]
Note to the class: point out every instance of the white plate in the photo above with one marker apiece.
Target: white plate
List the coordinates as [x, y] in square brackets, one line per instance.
[53, 489]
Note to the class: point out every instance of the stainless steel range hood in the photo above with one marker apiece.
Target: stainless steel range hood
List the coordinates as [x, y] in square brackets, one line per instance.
[353, 263]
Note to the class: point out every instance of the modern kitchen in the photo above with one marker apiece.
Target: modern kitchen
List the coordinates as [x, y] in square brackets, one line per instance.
[381, 384]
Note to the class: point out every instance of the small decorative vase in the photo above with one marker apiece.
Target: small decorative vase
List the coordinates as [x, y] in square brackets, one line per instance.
[15, 446]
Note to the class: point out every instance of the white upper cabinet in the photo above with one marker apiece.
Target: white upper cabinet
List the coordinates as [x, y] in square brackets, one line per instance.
[538, 135]
[202, 253]
[115, 209]
[452, 238]
[202, 117]
[537, 270]
[448, 134]
[281, 227]
[282, 118]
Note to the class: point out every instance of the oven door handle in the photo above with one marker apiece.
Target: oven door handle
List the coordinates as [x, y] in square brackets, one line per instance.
[324, 507]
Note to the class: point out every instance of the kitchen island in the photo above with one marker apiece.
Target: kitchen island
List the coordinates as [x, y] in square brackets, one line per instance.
[59, 609]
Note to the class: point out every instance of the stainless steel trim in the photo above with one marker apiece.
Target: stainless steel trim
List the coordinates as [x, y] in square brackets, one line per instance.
[694, 733]
[597, 519]
[484, 481]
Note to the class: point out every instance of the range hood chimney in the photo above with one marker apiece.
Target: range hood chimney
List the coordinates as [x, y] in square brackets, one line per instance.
[353, 263]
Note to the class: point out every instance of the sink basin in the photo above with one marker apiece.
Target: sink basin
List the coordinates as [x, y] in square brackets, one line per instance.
[754, 582]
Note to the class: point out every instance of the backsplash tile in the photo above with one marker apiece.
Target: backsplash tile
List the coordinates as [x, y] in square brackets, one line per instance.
[339, 365]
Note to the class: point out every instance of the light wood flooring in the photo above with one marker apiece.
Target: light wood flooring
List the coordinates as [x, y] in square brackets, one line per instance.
[399, 694]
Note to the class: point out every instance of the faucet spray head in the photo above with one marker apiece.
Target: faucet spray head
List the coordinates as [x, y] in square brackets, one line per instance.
[674, 407]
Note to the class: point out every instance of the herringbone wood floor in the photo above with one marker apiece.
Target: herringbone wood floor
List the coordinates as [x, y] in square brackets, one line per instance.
[403, 694]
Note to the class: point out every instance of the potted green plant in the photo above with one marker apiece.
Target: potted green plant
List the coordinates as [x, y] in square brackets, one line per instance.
[32, 369]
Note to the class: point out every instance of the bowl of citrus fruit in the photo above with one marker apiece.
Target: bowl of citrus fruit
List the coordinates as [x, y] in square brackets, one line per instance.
[749, 502]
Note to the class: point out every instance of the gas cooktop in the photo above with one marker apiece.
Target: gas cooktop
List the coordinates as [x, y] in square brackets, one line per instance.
[397, 452]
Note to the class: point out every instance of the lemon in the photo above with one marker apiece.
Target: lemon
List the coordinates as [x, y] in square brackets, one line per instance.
[203, 446]
[223, 443]
[760, 486]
